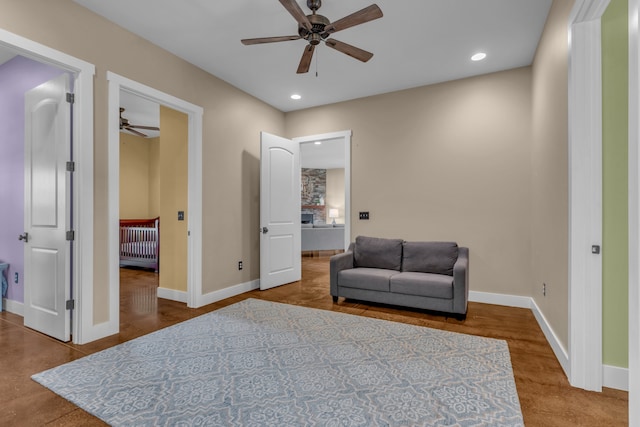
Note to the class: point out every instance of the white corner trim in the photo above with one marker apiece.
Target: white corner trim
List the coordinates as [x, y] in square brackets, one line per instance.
[615, 377]
[231, 291]
[14, 307]
[172, 294]
[552, 338]
[633, 379]
[500, 299]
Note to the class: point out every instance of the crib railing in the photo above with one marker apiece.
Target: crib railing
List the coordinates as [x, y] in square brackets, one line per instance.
[139, 242]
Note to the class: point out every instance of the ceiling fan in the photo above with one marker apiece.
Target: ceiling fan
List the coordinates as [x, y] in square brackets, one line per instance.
[125, 125]
[315, 28]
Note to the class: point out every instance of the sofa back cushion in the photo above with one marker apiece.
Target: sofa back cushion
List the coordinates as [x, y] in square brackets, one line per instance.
[430, 257]
[374, 252]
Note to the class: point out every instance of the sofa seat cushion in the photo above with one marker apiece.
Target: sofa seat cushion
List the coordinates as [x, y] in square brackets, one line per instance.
[422, 284]
[430, 257]
[374, 252]
[373, 279]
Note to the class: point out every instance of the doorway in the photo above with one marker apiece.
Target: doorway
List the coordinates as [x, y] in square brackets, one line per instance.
[192, 296]
[331, 152]
[81, 259]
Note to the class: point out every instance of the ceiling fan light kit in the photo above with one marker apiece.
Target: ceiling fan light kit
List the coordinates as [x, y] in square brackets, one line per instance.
[316, 28]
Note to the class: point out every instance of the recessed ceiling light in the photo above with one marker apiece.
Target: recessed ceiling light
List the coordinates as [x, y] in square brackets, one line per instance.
[479, 56]
[295, 96]
[318, 142]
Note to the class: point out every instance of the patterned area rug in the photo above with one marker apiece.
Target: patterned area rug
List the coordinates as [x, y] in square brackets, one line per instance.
[258, 363]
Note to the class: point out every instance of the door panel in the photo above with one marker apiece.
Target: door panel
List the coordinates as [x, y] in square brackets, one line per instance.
[47, 282]
[279, 211]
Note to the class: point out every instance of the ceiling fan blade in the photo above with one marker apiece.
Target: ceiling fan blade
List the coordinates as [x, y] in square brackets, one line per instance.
[360, 17]
[269, 40]
[352, 51]
[143, 127]
[305, 61]
[135, 132]
[295, 11]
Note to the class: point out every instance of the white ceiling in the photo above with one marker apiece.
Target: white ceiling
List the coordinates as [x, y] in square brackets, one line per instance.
[415, 43]
[329, 154]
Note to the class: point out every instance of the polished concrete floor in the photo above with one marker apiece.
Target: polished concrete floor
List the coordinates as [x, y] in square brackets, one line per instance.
[545, 395]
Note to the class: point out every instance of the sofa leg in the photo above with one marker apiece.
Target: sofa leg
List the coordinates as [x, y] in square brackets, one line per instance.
[335, 299]
[460, 317]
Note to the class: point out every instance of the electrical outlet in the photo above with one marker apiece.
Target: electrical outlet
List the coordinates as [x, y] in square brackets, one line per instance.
[239, 265]
[15, 278]
[364, 215]
[544, 289]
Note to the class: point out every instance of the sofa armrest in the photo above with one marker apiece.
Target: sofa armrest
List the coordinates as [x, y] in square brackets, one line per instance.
[461, 281]
[343, 261]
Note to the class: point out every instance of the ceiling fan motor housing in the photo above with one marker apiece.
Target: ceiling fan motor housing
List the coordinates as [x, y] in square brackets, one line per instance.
[317, 33]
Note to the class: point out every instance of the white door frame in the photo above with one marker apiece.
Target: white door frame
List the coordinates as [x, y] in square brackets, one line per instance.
[634, 213]
[346, 137]
[585, 195]
[83, 329]
[194, 207]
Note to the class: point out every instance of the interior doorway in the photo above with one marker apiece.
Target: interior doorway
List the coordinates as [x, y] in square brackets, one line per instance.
[80, 268]
[331, 153]
[191, 216]
[323, 198]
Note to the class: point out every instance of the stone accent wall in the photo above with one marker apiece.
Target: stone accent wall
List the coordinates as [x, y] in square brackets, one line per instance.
[314, 193]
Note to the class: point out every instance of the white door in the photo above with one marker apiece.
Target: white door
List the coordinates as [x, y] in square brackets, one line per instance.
[47, 273]
[279, 211]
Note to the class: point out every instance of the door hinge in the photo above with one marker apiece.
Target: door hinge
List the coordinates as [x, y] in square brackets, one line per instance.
[71, 304]
[71, 98]
[71, 166]
[71, 235]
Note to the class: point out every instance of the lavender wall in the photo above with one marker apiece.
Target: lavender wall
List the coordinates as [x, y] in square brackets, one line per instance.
[17, 76]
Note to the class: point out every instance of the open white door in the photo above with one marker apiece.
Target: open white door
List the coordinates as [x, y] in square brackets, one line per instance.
[47, 272]
[279, 211]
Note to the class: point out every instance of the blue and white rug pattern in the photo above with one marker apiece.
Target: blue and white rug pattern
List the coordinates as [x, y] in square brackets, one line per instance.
[259, 363]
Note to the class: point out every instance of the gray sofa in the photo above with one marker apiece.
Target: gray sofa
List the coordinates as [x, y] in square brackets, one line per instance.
[425, 275]
[322, 237]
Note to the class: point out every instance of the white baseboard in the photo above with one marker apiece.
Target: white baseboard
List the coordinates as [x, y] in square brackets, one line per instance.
[527, 302]
[558, 349]
[172, 294]
[500, 299]
[231, 291]
[14, 307]
[615, 377]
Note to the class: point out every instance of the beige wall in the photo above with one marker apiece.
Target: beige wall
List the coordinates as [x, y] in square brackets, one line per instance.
[452, 161]
[232, 124]
[550, 178]
[173, 198]
[134, 177]
[444, 162]
[335, 194]
[154, 177]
